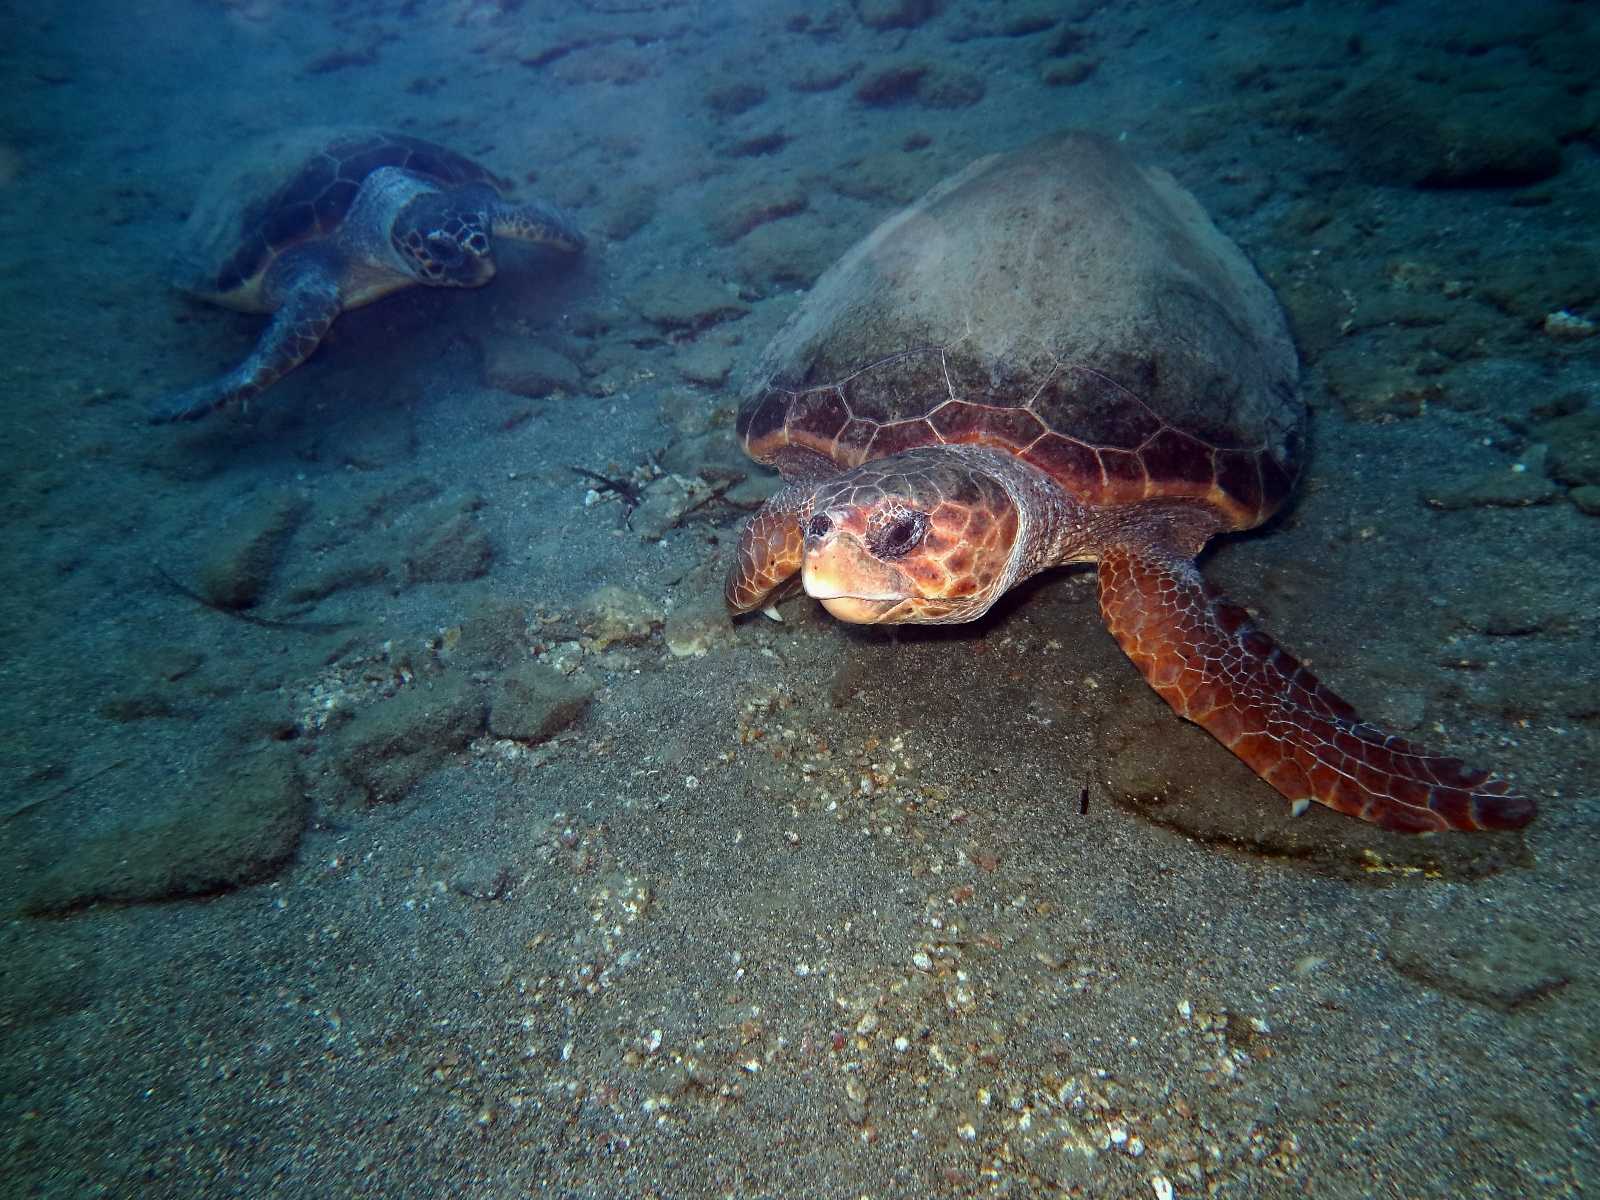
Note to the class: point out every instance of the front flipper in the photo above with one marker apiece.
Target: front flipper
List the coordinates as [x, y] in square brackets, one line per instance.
[1214, 667]
[297, 329]
[767, 558]
[535, 222]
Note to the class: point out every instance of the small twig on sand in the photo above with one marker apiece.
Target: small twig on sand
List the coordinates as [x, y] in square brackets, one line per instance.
[263, 622]
[621, 488]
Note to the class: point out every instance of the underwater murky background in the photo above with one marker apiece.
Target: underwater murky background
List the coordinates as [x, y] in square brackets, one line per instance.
[390, 809]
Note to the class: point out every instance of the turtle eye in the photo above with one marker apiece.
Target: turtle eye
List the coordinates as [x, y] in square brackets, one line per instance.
[818, 526]
[898, 535]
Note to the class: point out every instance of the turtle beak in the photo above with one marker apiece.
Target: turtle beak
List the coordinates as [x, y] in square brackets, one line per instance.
[851, 584]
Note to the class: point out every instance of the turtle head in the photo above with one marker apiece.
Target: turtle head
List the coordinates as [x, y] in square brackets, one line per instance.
[922, 537]
[445, 240]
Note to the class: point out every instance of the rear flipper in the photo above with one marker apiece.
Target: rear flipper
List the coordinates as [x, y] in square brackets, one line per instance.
[297, 329]
[1214, 667]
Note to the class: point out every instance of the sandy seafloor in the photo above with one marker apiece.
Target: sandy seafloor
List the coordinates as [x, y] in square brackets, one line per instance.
[411, 861]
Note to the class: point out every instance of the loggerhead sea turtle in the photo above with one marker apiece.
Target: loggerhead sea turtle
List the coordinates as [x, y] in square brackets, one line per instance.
[306, 224]
[1055, 357]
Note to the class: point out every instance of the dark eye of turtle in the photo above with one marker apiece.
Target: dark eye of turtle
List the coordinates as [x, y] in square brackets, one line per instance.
[818, 526]
[899, 535]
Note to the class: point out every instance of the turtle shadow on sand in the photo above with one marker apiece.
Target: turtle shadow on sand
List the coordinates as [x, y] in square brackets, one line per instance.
[1036, 678]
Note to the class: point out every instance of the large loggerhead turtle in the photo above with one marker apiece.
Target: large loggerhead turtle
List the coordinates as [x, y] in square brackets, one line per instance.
[306, 224]
[1056, 357]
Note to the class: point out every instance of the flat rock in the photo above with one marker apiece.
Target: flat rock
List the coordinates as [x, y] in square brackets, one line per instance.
[732, 99]
[1574, 448]
[1500, 488]
[341, 576]
[1070, 71]
[245, 553]
[686, 302]
[891, 176]
[1542, 280]
[613, 614]
[450, 548]
[387, 748]
[1478, 956]
[824, 76]
[487, 877]
[1375, 389]
[694, 628]
[931, 84]
[792, 253]
[207, 829]
[528, 367]
[894, 14]
[1505, 602]
[630, 211]
[705, 363]
[1428, 135]
[743, 209]
[950, 87]
[493, 635]
[1586, 499]
[532, 703]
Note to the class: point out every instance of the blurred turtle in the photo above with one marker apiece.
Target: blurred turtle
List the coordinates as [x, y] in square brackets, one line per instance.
[306, 224]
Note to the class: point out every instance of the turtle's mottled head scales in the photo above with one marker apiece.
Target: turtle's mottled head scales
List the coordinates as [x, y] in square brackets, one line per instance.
[445, 241]
[921, 537]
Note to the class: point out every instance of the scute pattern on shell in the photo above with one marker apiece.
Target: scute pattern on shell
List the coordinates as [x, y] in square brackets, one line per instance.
[1063, 304]
[315, 199]
[1115, 449]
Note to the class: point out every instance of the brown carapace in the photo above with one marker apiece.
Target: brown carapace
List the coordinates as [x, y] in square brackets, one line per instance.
[1082, 369]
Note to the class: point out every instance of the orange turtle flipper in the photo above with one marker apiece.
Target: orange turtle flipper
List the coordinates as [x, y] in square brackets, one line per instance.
[768, 555]
[1215, 668]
